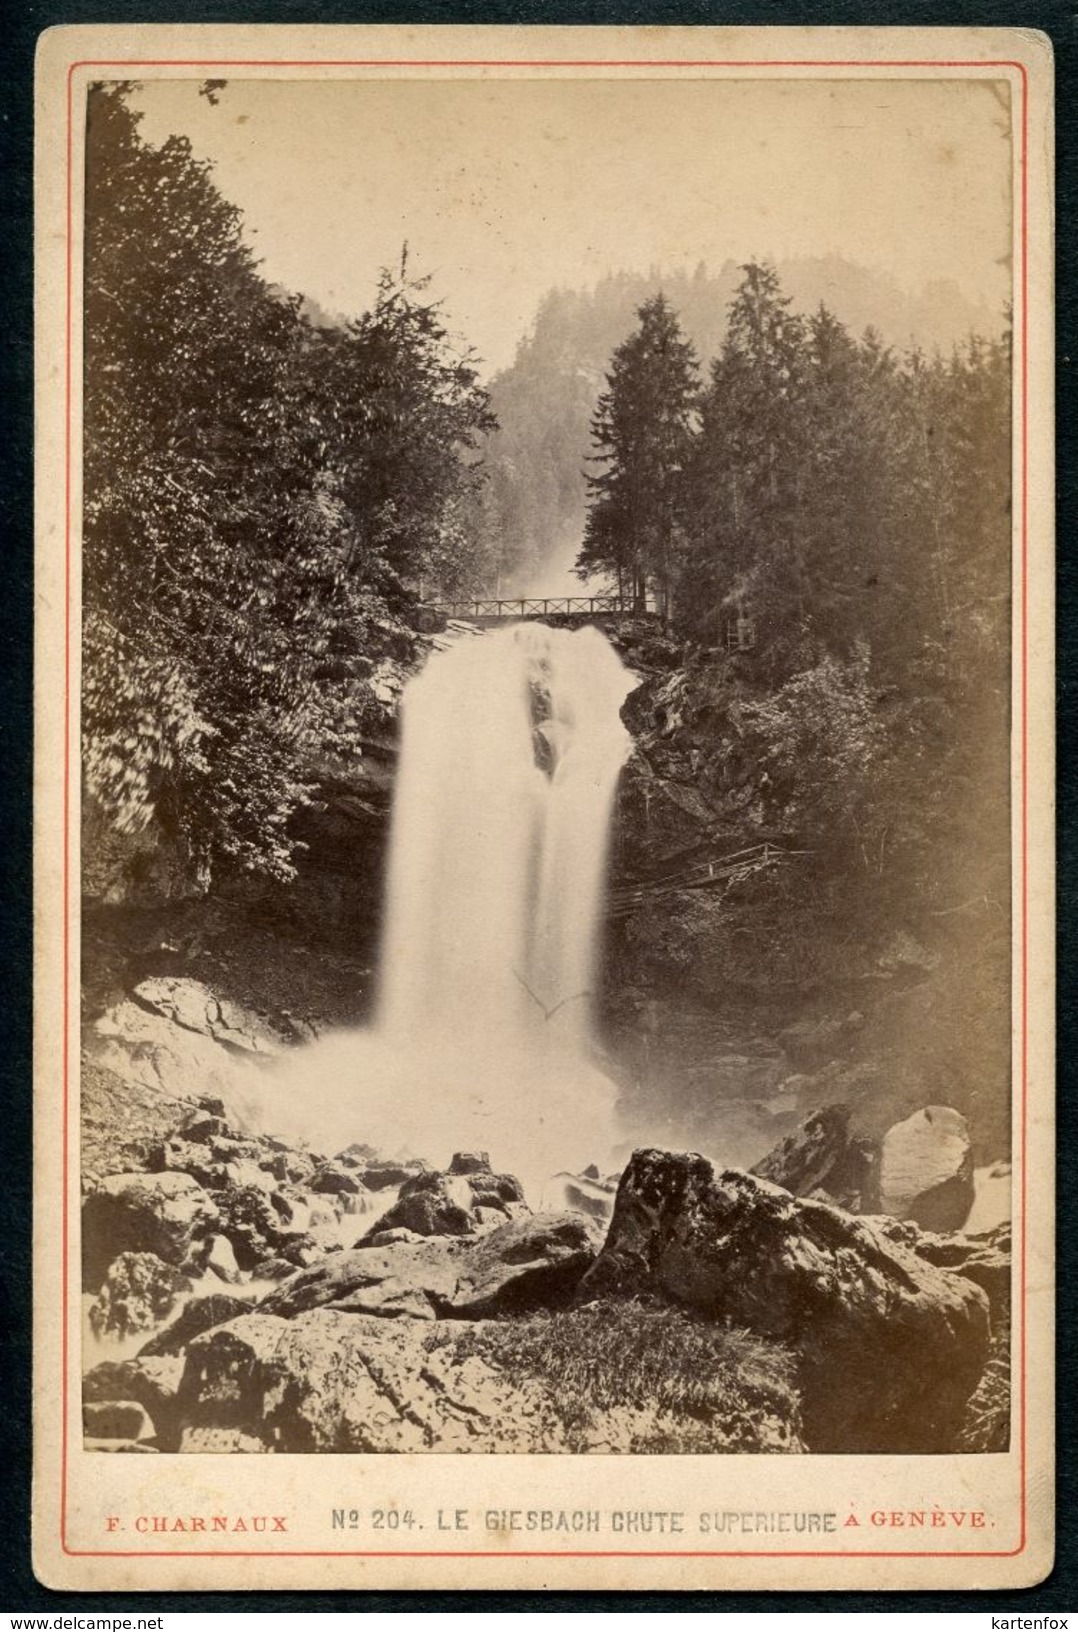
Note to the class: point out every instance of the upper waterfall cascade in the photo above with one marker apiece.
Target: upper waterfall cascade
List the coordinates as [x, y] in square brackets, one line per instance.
[511, 747]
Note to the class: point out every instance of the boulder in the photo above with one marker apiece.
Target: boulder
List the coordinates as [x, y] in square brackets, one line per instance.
[178, 1155]
[389, 1238]
[804, 1160]
[276, 1269]
[609, 1378]
[470, 1161]
[528, 1263]
[255, 1227]
[220, 1260]
[329, 1381]
[820, 1156]
[462, 1201]
[286, 1166]
[153, 1383]
[531, 1262]
[199, 1126]
[193, 1006]
[983, 1259]
[140, 1291]
[333, 1179]
[926, 1169]
[357, 1154]
[583, 1193]
[160, 1213]
[116, 1419]
[197, 1316]
[432, 1204]
[889, 1346]
[297, 1212]
[230, 1147]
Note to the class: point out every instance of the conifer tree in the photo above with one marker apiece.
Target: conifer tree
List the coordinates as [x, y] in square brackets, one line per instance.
[747, 479]
[642, 431]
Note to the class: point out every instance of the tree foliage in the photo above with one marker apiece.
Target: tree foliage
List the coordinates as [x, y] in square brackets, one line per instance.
[264, 499]
[850, 506]
[642, 430]
[534, 506]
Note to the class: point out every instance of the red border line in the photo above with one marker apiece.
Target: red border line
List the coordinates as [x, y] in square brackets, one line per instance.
[407, 62]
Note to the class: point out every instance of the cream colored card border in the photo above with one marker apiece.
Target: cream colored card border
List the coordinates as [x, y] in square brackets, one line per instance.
[76, 1494]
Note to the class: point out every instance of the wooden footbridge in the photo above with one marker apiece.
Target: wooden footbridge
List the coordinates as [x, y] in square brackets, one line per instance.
[590, 608]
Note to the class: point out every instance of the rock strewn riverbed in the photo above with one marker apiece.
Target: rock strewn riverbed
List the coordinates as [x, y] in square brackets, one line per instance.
[243, 1295]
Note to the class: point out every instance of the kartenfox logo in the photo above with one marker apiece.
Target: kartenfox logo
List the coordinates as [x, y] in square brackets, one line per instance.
[1029, 1623]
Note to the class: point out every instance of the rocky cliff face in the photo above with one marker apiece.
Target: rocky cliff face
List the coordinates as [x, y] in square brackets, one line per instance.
[759, 966]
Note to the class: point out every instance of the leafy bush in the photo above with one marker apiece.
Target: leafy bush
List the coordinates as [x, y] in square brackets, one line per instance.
[817, 739]
[264, 500]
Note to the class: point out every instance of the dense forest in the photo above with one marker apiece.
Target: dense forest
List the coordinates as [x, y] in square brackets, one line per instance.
[841, 513]
[534, 502]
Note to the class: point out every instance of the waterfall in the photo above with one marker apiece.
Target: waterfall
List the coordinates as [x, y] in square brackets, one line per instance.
[511, 747]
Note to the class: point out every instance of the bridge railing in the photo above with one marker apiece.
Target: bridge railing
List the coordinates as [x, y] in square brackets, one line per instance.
[545, 607]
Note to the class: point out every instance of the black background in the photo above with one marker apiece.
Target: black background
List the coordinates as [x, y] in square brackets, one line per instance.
[19, 29]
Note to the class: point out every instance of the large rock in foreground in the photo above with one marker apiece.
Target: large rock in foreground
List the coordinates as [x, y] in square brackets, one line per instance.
[611, 1378]
[983, 1259]
[331, 1381]
[926, 1169]
[890, 1347]
[194, 1318]
[153, 1383]
[533, 1262]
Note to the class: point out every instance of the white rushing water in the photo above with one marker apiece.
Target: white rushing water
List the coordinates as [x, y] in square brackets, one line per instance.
[511, 748]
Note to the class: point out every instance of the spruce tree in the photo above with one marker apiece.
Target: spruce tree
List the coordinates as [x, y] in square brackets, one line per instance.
[642, 431]
[748, 475]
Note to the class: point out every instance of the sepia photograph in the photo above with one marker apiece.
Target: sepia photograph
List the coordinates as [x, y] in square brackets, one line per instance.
[545, 867]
